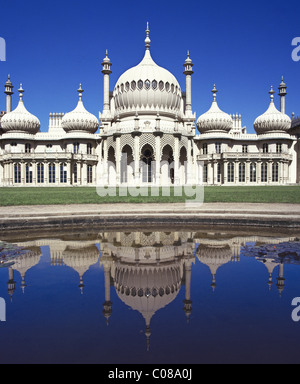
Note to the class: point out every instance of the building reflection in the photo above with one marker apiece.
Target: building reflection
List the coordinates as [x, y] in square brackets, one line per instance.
[146, 269]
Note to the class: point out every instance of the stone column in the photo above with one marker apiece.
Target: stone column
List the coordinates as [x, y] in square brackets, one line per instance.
[225, 165]
[136, 159]
[215, 179]
[176, 161]
[157, 160]
[118, 159]
[189, 165]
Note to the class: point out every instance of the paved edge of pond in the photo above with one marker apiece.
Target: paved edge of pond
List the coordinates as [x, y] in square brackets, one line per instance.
[159, 215]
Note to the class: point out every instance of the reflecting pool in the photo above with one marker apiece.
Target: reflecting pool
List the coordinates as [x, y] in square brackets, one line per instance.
[151, 296]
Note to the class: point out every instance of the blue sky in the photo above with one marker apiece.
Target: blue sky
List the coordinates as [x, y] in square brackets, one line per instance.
[243, 47]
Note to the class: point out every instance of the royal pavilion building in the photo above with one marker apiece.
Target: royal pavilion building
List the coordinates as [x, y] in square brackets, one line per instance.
[146, 135]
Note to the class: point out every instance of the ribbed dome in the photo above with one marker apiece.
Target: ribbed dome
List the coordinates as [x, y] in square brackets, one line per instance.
[147, 87]
[272, 120]
[20, 120]
[147, 289]
[214, 119]
[80, 119]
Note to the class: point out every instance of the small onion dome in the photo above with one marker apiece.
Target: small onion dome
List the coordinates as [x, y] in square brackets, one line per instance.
[80, 119]
[20, 120]
[214, 119]
[272, 120]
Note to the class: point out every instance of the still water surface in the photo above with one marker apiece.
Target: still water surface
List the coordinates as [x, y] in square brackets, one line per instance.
[151, 297]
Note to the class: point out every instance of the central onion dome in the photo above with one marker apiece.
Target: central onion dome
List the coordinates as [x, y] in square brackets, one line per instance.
[272, 120]
[80, 119]
[20, 120]
[147, 87]
[214, 120]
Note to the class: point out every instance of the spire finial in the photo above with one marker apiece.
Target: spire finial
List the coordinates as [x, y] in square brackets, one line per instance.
[80, 91]
[147, 40]
[271, 92]
[214, 91]
[21, 91]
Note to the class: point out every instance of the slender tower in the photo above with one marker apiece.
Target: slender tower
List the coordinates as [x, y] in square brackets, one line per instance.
[106, 64]
[188, 65]
[282, 93]
[8, 91]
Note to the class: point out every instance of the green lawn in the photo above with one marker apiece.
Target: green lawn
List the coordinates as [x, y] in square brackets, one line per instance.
[88, 195]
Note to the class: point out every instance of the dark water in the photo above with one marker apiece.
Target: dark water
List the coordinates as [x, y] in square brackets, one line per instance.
[205, 296]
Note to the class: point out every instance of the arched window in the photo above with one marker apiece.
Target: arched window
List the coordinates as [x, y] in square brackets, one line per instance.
[76, 148]
[264, 172]
[265, 148]
[275, 172]
[242, 172]
[147, 158]
[205, 173]
[75, 173]
[27, 148]
[147, 84]
[17, 175]
[51, 173]
[40, 173]
[28, 168]
[219, 174]
[230, 173]
[63, 172]
[89, 174]
[154, 84]
[252, 172]
[89, 148]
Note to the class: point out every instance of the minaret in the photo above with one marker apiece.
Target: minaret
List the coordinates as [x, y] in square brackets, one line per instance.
[8, 91]
[280, 279]
[188, 65]
[282, 93]
[107, 311]
[11, 283]
[187, 302]
[106, 64]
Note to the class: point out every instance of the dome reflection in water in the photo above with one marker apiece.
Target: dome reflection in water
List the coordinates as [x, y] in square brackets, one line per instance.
[151, 297]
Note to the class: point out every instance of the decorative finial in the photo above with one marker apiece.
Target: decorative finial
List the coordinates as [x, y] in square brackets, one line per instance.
[21, 91]
[80, 91]
[147, 40]
[214, 91]
[271, 92]
[106, 53]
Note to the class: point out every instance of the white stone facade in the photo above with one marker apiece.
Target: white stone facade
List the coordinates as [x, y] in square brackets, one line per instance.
[147, 137]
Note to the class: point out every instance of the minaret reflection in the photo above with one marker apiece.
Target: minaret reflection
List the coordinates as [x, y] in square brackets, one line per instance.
[22, 264]
[147, 270]
[80, 257]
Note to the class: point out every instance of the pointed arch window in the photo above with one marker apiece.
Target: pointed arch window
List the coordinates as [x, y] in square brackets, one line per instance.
[242, 168]
[51, 169]
[275, 172]
[28, 168]
[63, 172]
[230, 172]
[264, 172]
[17, 175]
[252, 172]
[40, 173]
